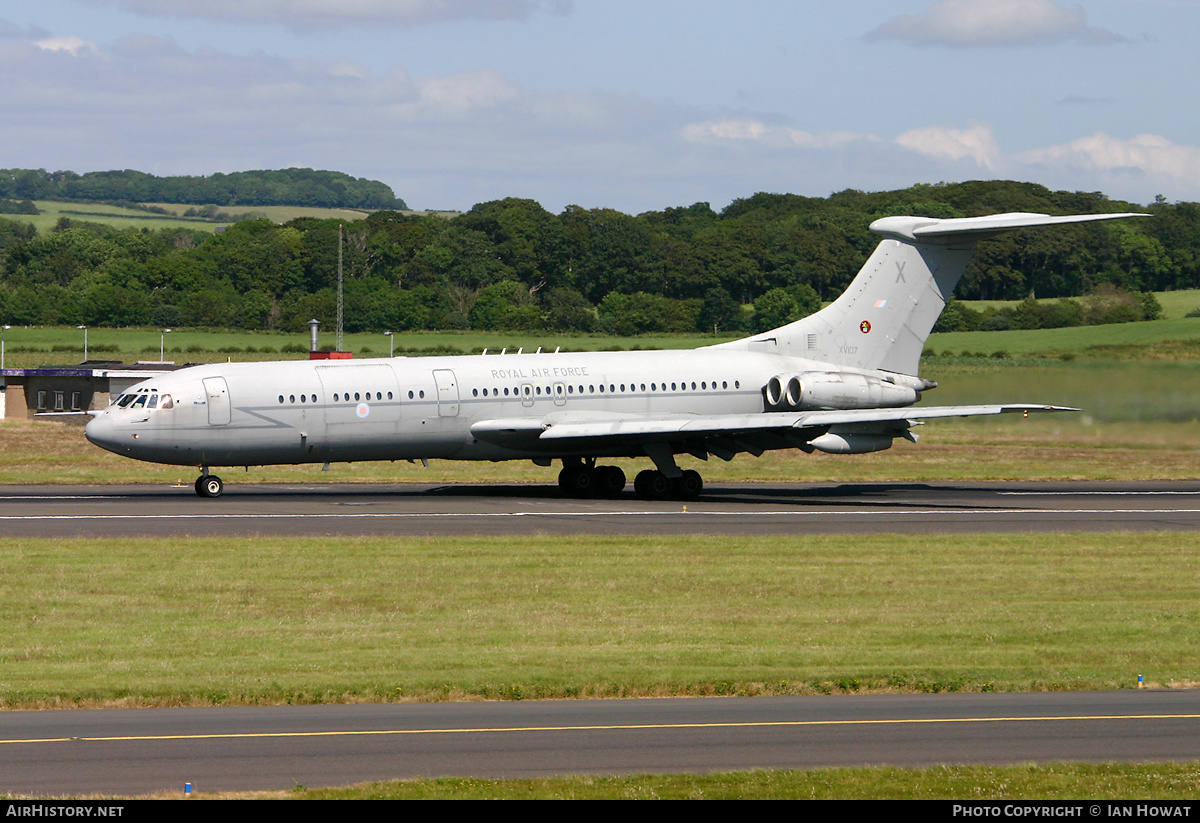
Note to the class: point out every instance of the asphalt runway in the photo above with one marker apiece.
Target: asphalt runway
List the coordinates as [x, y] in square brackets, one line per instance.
[278, 747]
[747, 509]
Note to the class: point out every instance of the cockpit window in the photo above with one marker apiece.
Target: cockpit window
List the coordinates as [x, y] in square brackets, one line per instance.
[152, 403]
[125, 399]
[165, 402]
[138, 402]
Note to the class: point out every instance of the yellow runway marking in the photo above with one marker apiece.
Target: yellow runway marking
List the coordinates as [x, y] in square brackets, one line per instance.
[615, 727]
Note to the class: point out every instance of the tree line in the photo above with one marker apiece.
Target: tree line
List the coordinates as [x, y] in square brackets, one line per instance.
[283, 187]
[511, 265]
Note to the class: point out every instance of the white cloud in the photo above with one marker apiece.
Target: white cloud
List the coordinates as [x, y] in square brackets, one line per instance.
[756, 131]
[976, 143]
[332, 14]
[71, 45]
[965, 23]
[1152, 158]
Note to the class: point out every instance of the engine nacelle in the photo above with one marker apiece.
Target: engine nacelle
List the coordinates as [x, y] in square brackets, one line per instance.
[835, 390]
[783, 391]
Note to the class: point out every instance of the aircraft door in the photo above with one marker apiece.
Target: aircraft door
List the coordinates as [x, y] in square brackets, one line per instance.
[526, 394]
[217, 398]
[447, 392]
[560, 394]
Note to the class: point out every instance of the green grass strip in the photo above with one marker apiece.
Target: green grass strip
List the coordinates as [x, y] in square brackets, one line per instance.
[200, 621]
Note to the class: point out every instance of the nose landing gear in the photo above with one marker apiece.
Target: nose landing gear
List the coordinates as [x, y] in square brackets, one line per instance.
[209, 485]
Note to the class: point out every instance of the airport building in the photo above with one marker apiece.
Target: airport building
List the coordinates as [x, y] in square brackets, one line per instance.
[68, 392]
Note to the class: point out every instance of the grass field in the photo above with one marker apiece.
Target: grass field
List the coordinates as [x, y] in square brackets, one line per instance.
[32, 346]
[1062, 447]
[202, 621]
[120, 217]
[1175, 304]
[969, 783]
[1173, 339]
[1165, 339]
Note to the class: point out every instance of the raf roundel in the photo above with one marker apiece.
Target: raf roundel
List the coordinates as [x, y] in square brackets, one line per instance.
[865, 326]
[363, 410]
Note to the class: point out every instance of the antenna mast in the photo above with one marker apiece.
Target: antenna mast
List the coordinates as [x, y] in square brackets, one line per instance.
[339, 310]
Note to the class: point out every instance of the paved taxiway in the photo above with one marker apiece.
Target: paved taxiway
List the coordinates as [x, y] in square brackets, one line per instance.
[259, 509]
[123, 751]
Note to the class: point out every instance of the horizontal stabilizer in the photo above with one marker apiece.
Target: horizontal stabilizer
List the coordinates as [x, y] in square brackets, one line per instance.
[929, 228]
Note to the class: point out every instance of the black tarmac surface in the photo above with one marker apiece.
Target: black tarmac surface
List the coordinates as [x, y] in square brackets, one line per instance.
[254, 509]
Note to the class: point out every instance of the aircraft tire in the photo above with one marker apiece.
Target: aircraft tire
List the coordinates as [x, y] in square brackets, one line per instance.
[577, 481]
[209, 485]
[689, 486]
[652, 484]
[610, 481]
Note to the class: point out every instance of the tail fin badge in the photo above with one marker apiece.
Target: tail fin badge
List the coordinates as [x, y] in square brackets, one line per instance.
[865, 327]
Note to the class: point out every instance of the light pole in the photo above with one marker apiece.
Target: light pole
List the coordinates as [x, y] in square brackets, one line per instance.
[3, 329]
[162, 345]
[84, 342]
[391, 343]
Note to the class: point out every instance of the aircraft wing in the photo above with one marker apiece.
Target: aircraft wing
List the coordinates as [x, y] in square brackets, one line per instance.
[524, 431]
[728, 423]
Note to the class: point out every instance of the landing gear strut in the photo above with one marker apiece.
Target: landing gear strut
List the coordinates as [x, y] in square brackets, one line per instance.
[209, 485]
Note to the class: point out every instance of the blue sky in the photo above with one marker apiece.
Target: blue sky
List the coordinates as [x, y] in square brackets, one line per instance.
[612, 103]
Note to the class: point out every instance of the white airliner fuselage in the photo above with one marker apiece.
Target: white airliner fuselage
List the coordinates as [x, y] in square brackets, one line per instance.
[838, 381]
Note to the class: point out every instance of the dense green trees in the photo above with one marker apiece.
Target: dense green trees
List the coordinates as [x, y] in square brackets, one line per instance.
[285, 187]
[511, 265]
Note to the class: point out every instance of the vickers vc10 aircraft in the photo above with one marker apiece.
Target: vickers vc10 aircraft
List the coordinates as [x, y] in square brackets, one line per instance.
[841, 380]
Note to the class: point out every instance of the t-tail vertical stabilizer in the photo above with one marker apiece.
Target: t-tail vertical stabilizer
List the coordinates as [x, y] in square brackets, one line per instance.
[884, 318]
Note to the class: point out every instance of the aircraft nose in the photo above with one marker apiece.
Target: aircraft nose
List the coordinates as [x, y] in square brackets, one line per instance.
[101, 432]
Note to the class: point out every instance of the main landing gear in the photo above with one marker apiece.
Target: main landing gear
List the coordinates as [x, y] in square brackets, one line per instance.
[209, 485]
[652, 484]
[586, 479]
[583, 480]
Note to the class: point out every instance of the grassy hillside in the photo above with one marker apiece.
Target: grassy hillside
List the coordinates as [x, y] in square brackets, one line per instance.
[1178, 337]
[123, 218]
[1175, 304]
